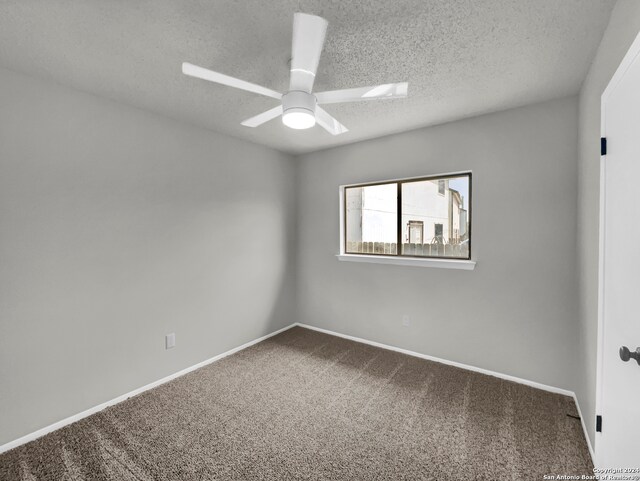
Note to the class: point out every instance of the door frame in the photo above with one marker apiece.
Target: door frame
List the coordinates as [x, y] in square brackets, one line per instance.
[629, 58]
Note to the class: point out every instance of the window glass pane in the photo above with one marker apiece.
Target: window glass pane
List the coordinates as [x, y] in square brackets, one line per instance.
[372, 219]
[435, 217]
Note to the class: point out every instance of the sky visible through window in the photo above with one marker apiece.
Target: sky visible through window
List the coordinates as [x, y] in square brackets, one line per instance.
[461, 184]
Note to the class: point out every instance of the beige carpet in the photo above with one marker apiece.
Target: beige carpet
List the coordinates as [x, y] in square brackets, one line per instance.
[305, 405]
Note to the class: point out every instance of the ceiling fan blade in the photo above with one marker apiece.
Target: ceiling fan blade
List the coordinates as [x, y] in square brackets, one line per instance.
[308, 38]
[263, 117]
[206, 74]
[385, 91]
[328, 123]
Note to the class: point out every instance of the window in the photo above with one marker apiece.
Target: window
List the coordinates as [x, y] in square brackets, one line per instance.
[415, 231]
[437, 235]
[372, 220]
[425, 217]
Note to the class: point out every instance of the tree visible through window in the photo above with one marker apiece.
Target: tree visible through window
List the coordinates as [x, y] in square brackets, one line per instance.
[426, 217]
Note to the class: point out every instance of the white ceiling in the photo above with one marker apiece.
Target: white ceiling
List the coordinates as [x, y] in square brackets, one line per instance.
[460, 57]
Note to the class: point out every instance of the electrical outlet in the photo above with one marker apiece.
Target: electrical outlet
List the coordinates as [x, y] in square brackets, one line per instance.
[406, 320]
[170, 340]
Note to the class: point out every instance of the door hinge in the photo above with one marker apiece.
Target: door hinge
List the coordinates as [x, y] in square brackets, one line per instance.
[598, 424]
[603, 146]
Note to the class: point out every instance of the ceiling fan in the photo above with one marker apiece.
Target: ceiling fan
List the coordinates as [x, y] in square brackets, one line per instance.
[300, 108]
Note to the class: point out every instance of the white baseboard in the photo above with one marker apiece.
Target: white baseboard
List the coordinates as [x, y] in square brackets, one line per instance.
[76, 417]
[584, 430]
[537, 385]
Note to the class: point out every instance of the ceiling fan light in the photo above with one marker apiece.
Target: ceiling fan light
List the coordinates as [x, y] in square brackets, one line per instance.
[298, 118]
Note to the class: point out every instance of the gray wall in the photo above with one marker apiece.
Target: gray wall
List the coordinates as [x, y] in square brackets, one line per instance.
[623, 27]
[516, 313]
[118, 226]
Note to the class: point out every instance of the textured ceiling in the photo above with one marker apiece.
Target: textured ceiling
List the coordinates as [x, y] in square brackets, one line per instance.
[460, 57]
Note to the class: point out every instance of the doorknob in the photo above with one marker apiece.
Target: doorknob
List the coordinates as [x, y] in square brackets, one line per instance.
[626, 354]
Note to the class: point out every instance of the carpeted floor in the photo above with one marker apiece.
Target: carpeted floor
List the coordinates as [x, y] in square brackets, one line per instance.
[306, 405]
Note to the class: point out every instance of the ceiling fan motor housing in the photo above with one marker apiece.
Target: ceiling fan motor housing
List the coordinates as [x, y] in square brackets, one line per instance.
[299, 101]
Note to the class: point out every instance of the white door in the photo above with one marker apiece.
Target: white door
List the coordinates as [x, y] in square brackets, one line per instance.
[618, 445]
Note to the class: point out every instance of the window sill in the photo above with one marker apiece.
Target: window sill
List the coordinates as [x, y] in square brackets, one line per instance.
[410, 261]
